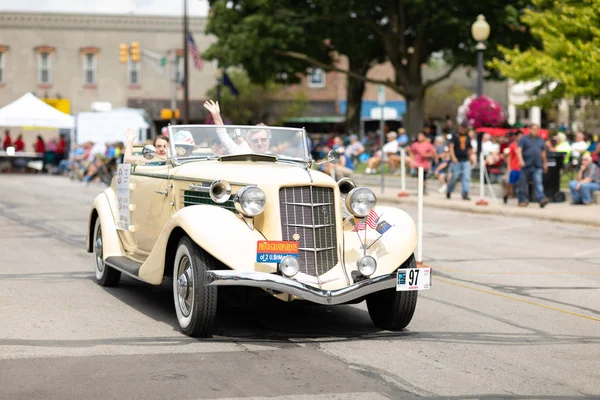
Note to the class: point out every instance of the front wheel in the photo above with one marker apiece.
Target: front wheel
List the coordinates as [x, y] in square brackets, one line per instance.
[195, 303]
[393, 310]
[105, 275]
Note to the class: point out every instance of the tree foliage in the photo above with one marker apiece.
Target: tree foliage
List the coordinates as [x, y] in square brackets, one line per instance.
[256, 102]
[568, 60]
[270, 37]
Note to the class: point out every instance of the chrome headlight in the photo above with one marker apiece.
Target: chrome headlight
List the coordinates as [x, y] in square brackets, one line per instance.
[250, 201]
[360, 201]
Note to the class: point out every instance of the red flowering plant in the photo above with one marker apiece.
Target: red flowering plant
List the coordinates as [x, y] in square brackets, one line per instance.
[485, 112]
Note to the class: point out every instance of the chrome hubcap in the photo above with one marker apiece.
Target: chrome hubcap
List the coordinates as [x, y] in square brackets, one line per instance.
[98, 251]
[185, 286]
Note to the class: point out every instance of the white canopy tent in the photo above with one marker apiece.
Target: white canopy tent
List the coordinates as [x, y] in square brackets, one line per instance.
[28, 110]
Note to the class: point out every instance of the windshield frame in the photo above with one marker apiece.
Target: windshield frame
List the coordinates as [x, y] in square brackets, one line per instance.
[175, 128]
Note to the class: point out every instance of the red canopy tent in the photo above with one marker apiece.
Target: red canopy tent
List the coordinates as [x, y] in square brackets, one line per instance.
[504, 131]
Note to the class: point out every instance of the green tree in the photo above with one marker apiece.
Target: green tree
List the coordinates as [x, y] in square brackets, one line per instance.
[268, 37]
[256, 102]
[250, 32]
[567, 62]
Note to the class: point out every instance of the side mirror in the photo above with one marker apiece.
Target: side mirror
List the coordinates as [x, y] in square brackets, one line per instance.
[333, 156]
[149, 152]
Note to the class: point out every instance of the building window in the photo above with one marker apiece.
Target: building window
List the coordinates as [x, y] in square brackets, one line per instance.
[316, 78]
[44, 68]
[90, 63]
[2, 66]
[135, 73]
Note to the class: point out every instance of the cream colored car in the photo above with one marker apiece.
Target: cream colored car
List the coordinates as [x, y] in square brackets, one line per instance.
[246, 206]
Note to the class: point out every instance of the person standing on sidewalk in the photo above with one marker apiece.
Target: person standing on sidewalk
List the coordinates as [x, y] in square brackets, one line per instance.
[422, 152]
[460, 152]
[531, 152]
[514, 169]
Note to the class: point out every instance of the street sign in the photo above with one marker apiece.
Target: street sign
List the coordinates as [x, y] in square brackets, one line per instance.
[381, 95]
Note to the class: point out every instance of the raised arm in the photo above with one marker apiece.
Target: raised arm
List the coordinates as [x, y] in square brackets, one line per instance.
[229, 145]
[130, 135]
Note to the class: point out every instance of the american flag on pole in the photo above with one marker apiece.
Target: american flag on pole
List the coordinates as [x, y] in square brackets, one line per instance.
[359, 226]
[198, 63]
[372, 219]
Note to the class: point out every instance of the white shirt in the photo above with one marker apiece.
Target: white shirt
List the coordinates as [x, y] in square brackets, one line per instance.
[490, 147]
[230, 146]
[578, 147]
[391, 147]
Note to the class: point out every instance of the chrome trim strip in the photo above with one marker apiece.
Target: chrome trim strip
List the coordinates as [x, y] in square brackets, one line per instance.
[311, 226]
[311, 205]
[299, 289]
[199, 188]
[315, 249]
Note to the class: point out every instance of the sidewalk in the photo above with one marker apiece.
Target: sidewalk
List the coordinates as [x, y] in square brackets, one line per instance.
[556, 212]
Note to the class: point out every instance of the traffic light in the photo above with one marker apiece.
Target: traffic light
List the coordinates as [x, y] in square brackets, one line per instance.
[167, 113]
[123, 53]
[135, 51]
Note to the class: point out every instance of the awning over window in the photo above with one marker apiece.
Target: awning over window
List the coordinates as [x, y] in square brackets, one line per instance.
[392, 110]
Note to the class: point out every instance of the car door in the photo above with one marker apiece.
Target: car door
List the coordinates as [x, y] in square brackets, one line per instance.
[152, 197]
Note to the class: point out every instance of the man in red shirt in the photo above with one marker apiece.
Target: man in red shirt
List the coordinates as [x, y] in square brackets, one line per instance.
[514, 169]
[19, 143]
[60, 150]
[7, 140]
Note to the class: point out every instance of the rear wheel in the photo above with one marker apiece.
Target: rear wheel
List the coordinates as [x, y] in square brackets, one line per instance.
[393, 310]
[105, 275]
[195, 303]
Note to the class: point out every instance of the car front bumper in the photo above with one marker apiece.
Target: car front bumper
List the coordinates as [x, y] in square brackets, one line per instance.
[299, 289]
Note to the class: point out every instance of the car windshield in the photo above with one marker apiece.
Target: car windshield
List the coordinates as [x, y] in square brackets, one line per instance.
[209, 141]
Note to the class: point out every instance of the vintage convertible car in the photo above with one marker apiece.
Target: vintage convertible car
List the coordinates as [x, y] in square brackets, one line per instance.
[246, 206]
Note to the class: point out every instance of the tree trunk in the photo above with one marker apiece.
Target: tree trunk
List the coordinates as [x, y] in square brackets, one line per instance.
[415, 112]
[354, 94]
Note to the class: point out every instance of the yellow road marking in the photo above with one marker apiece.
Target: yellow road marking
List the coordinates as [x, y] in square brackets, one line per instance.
[434, 278]
[518, 273]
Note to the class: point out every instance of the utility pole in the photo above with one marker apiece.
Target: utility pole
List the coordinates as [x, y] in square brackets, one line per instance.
[186, 98]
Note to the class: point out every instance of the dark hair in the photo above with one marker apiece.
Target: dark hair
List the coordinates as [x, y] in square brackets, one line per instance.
[163, 137]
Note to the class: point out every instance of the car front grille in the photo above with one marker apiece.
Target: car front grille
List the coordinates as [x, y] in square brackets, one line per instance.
[309, 212]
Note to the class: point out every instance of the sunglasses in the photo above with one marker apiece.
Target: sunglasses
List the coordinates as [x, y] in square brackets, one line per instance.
[260, 140]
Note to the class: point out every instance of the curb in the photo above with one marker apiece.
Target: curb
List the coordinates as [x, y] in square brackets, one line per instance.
[510, 212]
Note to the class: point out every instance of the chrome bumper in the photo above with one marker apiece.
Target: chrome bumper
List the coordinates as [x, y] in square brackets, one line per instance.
[299, 289]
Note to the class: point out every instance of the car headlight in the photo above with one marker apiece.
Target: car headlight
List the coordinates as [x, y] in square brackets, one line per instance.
[360, 201]
[250, 201]
[367, 265]
[289, 266]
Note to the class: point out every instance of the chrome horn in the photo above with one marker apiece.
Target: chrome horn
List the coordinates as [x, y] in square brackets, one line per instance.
[220, 191]
[346, 185]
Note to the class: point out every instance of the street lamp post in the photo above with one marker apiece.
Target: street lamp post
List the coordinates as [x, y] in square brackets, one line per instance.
[480, 31]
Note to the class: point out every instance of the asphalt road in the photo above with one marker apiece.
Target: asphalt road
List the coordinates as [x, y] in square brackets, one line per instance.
[514, 313]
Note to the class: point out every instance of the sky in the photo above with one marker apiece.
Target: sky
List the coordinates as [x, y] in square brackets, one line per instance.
[139, 7]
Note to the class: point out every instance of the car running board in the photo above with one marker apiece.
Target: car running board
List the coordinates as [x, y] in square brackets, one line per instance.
[124, 264]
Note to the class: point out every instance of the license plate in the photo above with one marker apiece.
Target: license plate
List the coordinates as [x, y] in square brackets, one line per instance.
[413, 279]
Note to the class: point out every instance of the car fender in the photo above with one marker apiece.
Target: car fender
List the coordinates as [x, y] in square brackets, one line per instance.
[218, 231]
[391, 249]
[110, 237]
